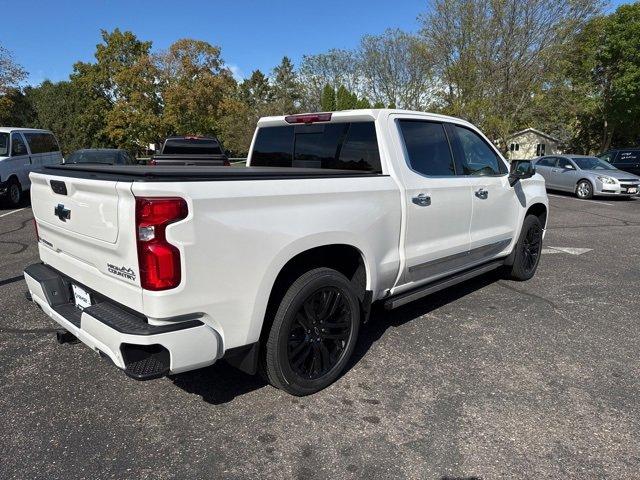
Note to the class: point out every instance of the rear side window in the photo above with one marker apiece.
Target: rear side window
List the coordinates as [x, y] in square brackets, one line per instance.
[17, 145]
[427, 148]
[478, 158]
[546, 162]
[41, 142]
[345, 146]
[629, 156]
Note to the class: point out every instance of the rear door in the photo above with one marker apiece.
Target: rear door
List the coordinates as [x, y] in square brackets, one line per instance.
[495, 203]
[545, 167]
[437, 201]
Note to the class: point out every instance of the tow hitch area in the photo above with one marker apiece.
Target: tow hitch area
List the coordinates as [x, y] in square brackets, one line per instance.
[62, 336]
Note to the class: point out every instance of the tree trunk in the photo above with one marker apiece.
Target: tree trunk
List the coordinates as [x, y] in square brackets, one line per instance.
[607, 135]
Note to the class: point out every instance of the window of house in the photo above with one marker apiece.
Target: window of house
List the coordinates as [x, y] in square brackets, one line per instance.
[540, 149]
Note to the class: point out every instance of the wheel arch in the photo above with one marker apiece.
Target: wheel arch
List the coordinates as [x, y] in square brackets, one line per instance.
[539, 210]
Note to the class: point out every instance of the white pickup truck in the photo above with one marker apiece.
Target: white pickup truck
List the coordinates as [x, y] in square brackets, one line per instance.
[274, 266]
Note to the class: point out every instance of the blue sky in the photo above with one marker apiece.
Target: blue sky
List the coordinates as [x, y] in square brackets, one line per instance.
[47, 37]
[253, 34]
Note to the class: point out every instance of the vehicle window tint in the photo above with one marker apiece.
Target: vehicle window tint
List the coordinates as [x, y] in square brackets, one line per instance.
[346, 146]
[40, 142]
[564, 163]
[360, 149]
[188, 146]
[427, 147]
[17, 145]
[478, 157]
[4, 144]
[273, 147]
[607, 157]
[546, 162]
[629, 156]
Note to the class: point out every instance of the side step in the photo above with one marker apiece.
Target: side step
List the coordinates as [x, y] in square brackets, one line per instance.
[423, 291]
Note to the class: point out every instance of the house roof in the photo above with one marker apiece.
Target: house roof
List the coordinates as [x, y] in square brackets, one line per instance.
[533, 130]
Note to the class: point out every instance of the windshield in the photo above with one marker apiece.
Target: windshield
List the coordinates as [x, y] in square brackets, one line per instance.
[93, 156]
[592, 163]
[4, 144]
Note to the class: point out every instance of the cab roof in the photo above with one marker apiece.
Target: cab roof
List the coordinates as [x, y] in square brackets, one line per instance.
[21, 129]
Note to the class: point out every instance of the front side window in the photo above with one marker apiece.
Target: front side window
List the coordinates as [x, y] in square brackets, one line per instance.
[427, 148]
[17, 145]
[565, 164]
[478, 157]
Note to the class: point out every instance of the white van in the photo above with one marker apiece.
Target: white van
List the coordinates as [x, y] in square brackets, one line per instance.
[22, 150]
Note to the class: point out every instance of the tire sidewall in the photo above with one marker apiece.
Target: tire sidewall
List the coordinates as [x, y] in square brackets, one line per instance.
[519, 271]
[304, 287]
[12, 188]
[590, 194]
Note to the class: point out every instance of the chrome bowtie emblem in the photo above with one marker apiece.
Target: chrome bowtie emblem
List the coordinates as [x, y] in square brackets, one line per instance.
[62, 213]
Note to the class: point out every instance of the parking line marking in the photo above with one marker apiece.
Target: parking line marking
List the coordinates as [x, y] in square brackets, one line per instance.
[579, 199]
[12, 211]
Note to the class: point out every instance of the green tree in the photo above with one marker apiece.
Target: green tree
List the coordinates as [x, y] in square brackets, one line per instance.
[345, 100]
[286, 88]
[255, 91]
[328, 100]
[194, 81]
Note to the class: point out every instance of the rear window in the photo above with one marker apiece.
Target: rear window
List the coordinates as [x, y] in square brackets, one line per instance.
[191, 146]
[4, 144]
[41, 142]
[344, 146]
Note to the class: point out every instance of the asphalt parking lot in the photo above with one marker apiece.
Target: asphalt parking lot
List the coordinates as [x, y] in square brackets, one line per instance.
[491, 379]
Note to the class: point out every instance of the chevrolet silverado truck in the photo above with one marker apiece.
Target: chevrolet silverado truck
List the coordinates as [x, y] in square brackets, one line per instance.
[191, 150]
[274, 266]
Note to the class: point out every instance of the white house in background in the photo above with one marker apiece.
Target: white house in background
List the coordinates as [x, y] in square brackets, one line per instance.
[531, 143]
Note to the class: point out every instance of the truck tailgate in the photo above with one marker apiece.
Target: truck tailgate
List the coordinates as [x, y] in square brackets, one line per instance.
[87, 231]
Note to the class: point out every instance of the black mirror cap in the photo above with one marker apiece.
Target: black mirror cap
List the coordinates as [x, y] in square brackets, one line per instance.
[521, 169]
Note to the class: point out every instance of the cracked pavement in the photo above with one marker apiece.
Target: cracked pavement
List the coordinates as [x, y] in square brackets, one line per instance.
[489, 379]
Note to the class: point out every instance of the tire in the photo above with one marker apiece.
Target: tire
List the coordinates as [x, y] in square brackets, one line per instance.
[527, 250]
[584, 190]
[314, 332]
[14, 193]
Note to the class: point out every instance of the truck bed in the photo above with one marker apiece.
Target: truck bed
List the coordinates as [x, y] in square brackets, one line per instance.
[167, 173]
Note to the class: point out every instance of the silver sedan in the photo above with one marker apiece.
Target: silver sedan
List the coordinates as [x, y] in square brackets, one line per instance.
[586, 176]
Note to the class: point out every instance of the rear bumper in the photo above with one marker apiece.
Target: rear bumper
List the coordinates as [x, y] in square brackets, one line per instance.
[142, 350]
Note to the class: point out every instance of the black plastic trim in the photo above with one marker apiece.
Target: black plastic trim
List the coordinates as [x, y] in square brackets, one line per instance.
[244, 358]
[168, 173]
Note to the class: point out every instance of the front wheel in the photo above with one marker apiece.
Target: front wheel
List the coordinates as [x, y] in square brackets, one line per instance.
[527, 250]
[313, 334]
[584, 190]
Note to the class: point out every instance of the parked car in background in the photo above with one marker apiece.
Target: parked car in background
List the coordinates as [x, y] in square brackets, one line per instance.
[22, 150]
[191, 150]
[627, 159]
[277, 263]
[109, 156]
[586, 176]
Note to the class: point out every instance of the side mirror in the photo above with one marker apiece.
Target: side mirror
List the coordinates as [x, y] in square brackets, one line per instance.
[521, 169]
[568, 166]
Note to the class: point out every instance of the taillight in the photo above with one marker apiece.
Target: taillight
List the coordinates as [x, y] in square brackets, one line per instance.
[308, 118]
[159, 261]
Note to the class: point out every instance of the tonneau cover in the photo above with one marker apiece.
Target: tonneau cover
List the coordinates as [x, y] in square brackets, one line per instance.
[168, 173]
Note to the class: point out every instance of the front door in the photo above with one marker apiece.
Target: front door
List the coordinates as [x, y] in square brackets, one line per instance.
[567, 175]
[437, 202]
[495, 204]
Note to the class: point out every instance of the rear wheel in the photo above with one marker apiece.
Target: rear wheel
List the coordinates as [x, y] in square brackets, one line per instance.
[313, 334]
[14, 193]
[584, 189]
[527, 250]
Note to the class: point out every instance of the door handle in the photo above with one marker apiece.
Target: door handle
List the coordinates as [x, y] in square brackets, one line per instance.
[482, 194]
[422, 200]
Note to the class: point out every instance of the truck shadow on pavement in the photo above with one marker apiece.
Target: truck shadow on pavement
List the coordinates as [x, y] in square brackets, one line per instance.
[222, 383]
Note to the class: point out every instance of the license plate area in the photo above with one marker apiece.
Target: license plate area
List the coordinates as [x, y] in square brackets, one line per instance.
[632, 190]
[81, 298]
